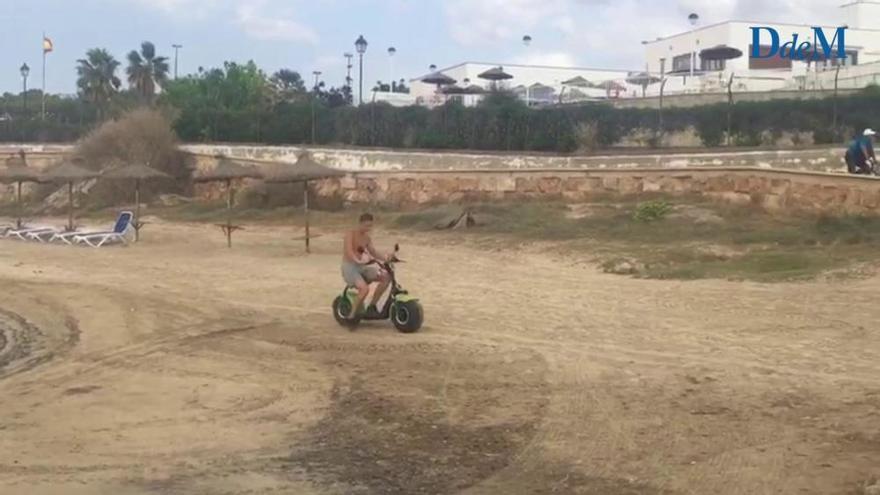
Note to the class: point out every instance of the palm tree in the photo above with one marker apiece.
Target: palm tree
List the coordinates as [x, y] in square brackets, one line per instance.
[146, 70]
[97, 79]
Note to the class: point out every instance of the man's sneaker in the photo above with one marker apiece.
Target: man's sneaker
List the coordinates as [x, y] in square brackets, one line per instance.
[372, 312]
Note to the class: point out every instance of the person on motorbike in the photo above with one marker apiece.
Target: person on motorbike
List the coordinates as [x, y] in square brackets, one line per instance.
[860, 153]
[357, 267]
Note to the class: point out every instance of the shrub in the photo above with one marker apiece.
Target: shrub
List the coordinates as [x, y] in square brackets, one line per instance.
[587, 136]
[651, 211]
[140, 136]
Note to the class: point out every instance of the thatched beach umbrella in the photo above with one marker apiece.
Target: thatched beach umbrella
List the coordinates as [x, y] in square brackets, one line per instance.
[69, 172]
[578, 82]
[226, 171]
[611, 86]
[17, 172]
[438, 78]
[304, 170]
[494, 75]
[643, 79]
[724, 53]
[137, 172]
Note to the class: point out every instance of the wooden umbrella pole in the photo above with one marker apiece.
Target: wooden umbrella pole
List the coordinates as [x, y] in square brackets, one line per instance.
[306, 206]
[137, 210]
[70, 206]
[20, 208]
[229, 213]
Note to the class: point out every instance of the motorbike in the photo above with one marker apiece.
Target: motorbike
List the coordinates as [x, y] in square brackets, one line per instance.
[404, 310]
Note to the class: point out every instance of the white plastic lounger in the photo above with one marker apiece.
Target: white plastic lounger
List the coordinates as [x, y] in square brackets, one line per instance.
[68, 237]
[100, 239]
[44, 235]
[23, 233]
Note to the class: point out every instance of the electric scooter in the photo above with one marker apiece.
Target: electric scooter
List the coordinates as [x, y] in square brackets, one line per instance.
[404, 310]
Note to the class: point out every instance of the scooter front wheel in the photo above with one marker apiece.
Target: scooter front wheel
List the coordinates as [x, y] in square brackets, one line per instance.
[341, 310]
[407, 316]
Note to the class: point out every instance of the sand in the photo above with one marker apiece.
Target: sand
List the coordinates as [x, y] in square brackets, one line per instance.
[179, 366]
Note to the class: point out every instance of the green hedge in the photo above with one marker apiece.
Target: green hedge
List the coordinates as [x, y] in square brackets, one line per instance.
[500, 122]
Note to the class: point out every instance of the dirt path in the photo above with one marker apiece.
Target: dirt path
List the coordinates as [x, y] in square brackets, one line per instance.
[178, 366]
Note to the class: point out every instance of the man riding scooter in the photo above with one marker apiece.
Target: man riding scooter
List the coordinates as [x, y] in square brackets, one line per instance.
[859, 156]
[357, 271]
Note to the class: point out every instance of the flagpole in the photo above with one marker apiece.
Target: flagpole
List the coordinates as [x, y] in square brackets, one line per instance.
[43, 112]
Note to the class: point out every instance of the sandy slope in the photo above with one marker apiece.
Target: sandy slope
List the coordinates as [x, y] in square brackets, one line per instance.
[178, 366]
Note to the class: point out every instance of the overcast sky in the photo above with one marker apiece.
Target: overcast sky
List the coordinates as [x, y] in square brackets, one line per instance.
[313, 35]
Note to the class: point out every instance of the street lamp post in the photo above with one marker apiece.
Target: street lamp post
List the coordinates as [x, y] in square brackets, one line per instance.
[176, 48]
[527, 40]
[391, 52]
[693, 19]
[317, 74]
[25, 71]
[348, 56]
[361, 46]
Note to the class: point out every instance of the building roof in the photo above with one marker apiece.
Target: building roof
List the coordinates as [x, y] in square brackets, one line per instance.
[552, 67]
[753, 23]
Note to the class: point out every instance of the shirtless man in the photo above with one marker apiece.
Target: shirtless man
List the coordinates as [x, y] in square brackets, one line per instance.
[357, 252]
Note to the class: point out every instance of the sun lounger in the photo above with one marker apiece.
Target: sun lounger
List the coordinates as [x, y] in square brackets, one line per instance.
[99, 239]
[45, 236]
[22, 234]
[68, 237]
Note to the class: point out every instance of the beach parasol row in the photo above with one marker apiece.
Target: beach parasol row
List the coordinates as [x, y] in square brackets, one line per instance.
[227, 170]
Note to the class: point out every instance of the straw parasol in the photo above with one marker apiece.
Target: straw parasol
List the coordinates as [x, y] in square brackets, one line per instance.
[720, 52]
[438, 78]
[578, 82]
[494, 75]
[226, 171]
[643, 79]
[724, 53]
[611, 86]
[137, 172]
[17, 172]
[69, 172]
[306, 169]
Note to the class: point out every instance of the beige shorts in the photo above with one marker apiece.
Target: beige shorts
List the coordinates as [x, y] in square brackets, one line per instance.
[353, 273]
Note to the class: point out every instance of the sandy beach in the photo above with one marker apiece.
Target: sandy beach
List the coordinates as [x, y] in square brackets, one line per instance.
[177, 365]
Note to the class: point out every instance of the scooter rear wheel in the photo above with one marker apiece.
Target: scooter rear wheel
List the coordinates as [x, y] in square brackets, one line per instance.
[407, 316]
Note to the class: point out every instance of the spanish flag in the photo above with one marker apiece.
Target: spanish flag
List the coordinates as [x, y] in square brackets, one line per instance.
[47, 45]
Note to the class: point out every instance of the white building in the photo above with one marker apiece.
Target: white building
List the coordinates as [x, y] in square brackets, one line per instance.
[674, 55]
[676, 60]
[545, 81]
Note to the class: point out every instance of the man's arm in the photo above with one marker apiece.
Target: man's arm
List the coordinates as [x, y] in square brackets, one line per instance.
[372, 250]
[350, 251]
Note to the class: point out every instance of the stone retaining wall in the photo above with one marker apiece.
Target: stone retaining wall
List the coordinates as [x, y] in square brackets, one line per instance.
[773, 190]
[823, 159]
[409, 179]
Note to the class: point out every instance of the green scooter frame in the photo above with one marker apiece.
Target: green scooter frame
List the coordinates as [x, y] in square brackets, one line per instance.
[404, 310]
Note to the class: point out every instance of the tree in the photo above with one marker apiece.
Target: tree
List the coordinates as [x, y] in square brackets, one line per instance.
[287, 85]
[400, 87]
[97, 81]
[227, 104]
[335, 97]
[146, 70]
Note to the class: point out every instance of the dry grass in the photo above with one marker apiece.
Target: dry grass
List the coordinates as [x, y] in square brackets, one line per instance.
[693, 241]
